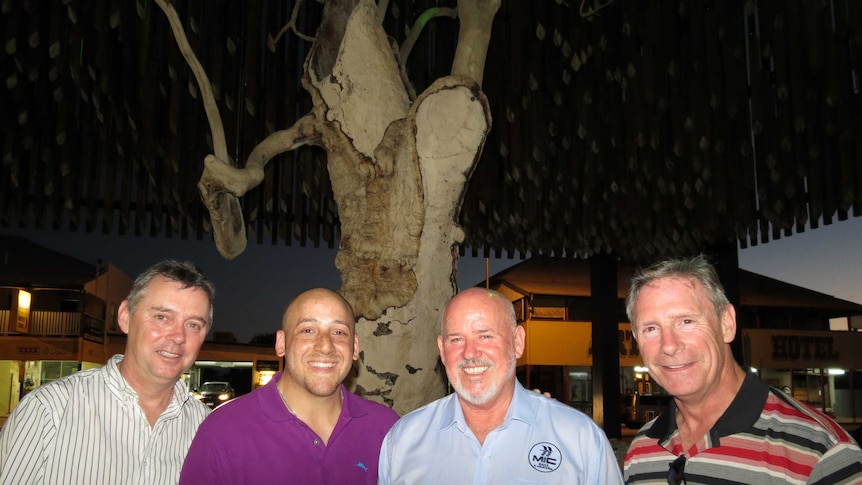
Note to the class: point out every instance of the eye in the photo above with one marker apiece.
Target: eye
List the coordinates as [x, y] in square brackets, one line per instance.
[194, 325]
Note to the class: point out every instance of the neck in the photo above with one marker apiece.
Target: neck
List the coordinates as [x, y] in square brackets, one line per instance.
[486, 417]
[320, 413]
[153, 398]
[695, 417]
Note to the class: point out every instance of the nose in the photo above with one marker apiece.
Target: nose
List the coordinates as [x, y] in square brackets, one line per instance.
[669, 342]
[471, 348]
[324, 343]
[177, 333]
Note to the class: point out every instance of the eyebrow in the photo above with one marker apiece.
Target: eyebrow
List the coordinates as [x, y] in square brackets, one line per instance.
[165, 309]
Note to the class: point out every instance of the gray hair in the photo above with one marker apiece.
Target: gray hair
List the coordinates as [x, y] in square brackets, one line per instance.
[697, 268]
[183, 272]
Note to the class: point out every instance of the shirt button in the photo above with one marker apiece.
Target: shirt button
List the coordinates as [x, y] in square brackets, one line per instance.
[316, 442]
[146, 463]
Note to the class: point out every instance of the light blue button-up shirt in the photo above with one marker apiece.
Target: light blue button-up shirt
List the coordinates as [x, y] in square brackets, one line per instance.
[540, 441]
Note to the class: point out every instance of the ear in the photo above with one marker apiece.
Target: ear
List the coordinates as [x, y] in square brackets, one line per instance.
[355, 347]
[728, 323]
[123, 315]
[440, 347]
[520, 340]
[279, 343]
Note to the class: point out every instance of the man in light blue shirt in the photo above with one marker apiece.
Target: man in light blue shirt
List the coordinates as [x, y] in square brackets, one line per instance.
[492, 430]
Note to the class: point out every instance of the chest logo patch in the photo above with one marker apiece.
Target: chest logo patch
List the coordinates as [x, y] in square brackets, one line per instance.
[545, 457]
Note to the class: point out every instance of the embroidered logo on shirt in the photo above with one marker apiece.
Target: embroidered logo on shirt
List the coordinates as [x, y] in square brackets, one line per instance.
[362, 466]
[545, 457]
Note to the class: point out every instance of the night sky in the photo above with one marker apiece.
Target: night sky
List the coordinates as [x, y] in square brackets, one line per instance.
[253, 289]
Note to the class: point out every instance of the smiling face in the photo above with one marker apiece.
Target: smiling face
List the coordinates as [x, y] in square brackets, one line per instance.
[480, 345]
[319, 344]
[165, 332]
[682, 340]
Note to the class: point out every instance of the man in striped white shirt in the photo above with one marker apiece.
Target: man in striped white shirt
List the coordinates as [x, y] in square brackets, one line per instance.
[131, 421]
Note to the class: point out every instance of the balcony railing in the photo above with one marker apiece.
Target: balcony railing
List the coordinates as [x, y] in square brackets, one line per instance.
[45, 323]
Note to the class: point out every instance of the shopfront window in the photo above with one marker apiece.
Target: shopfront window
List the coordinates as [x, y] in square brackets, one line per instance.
[57, 369]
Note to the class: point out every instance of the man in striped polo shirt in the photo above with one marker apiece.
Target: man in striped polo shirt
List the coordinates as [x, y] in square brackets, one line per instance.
[130, 422]
[724, 425]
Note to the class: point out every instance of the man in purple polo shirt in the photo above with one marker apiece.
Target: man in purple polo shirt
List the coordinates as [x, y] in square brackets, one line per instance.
[304, 426]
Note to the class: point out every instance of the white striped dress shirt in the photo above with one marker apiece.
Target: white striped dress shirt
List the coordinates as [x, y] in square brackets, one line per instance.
[89, 429]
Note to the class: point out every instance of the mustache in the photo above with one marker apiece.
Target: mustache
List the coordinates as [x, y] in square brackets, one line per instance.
[474, 363]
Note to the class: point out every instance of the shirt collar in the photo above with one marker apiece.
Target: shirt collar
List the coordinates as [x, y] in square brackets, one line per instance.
[119, 387]
[274, 409]
[520, 408]
[742, 413]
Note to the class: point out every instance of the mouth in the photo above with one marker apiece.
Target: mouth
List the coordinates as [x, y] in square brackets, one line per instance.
[322, 365]
[169, 355]
[475, 370]
[676, 367]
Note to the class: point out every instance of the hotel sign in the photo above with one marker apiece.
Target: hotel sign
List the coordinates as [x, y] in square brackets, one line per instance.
[781, 349]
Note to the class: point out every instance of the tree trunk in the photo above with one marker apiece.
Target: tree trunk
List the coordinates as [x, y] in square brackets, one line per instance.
[398, 169]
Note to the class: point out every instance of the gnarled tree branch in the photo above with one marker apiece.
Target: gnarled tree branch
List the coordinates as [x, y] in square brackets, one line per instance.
[474, 35]
[291, 24]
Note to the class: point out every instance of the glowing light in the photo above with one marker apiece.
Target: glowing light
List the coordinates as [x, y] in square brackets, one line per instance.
[24, 299]
[265, 377]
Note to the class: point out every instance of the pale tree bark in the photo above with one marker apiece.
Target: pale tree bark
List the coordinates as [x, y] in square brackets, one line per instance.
[399, 169]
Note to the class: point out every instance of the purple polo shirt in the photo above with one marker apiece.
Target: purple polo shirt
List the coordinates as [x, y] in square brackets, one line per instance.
[255, 440]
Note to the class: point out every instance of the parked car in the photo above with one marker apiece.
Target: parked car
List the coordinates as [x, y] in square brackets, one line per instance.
[215, 393]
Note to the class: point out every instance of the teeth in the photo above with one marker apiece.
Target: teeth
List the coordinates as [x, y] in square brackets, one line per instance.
[475, 370]
[168, 354]
[322, 365]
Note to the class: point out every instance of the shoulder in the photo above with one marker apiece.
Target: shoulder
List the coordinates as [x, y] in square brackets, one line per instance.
[63, 389]
[439, 411]
[794, 417]
[234, 414]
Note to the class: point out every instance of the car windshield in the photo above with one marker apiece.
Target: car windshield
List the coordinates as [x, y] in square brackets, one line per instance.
[214, 387]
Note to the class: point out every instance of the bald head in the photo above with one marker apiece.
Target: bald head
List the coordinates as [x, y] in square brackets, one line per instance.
[482, 299]
[322, 295]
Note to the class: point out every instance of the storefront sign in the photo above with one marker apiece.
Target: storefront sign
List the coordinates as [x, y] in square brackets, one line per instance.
[39, 349]
[267, 365]
[794, 347]
[785, 349]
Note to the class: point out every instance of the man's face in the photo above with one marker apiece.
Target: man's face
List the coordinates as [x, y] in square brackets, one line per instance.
[318, 342]
[480, 348]
[681, 339]
[165, 333]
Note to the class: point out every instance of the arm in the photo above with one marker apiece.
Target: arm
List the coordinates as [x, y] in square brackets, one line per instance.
[383, 463]
[202, 466]
[23, 441]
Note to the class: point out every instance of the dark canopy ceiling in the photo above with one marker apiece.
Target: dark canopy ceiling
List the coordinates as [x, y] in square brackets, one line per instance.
[652, 127]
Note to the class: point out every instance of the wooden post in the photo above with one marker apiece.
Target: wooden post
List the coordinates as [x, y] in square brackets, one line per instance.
[606, 357]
